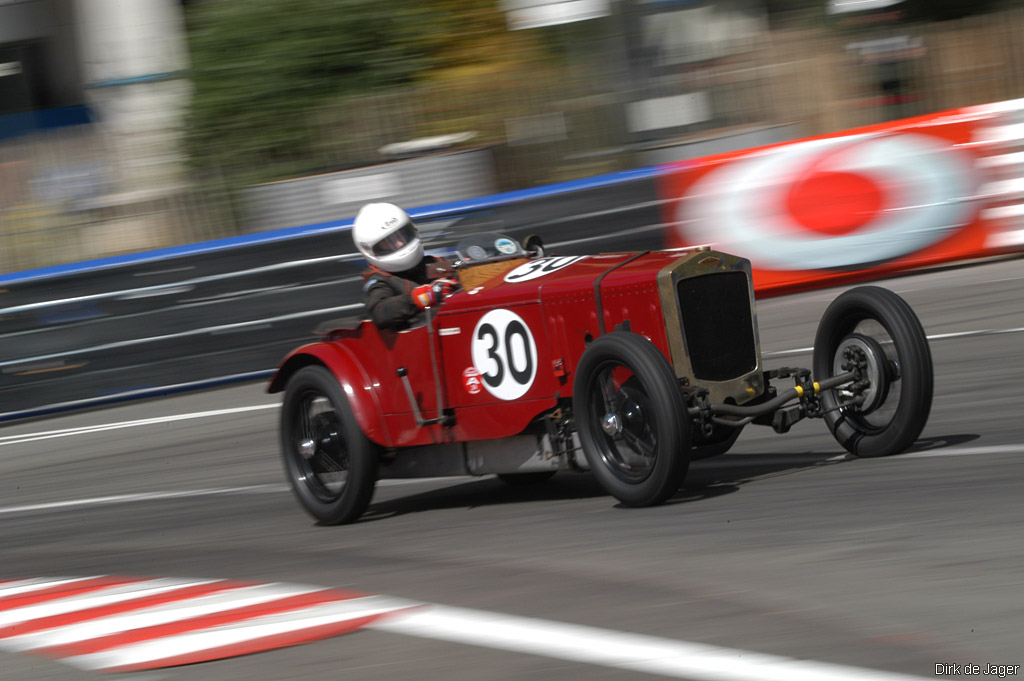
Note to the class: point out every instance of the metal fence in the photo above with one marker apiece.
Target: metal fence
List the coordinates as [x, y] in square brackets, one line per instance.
[64, 197]
[68, 196]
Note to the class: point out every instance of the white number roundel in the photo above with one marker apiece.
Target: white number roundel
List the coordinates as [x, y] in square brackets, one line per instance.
[833, 203]
[505, 354]
[540, 267]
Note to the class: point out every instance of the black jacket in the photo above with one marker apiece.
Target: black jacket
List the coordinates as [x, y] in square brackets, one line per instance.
[388, 295]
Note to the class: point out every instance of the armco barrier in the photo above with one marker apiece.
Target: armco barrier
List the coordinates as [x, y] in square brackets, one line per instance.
[809, 213]
[136, 326]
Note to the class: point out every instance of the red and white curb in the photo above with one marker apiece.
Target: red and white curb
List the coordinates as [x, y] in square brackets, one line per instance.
[119, 624]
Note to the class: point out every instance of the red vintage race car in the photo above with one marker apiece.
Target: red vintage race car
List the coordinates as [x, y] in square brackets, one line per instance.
[626, 365]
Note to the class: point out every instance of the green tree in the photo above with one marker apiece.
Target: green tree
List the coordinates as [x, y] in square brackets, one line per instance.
[261, 69]
[260, 66]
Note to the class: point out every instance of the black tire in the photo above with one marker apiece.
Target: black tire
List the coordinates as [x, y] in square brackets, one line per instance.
[330, 463]
[524, 479]
[623, 375]
[882, 323]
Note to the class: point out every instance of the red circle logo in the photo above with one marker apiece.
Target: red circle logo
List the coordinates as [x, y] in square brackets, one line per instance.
[835, 202]
[471, 380]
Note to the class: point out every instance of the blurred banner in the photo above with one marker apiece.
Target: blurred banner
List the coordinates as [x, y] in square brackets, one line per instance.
[861, 204]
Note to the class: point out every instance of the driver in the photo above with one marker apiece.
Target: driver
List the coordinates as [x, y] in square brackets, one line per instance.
[401, 281]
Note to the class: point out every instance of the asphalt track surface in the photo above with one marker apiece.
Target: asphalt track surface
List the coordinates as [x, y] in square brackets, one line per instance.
[782, 547]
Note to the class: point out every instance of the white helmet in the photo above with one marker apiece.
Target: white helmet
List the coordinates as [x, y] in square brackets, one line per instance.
[387, 237]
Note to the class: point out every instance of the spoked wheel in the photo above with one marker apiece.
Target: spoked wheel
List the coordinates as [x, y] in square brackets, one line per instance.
[875, 331]
[331, 465]
[631, 419]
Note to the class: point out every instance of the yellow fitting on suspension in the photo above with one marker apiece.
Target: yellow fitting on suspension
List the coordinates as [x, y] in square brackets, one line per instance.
[817, 388]
[799, 390]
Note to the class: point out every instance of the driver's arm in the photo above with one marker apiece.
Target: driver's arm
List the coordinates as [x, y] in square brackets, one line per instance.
[387, 309]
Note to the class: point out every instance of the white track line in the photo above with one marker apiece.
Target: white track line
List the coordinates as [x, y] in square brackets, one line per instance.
[220, 328]
[933, 337]
[80, 430]
[622, 650]
[144, 496]
[960, 451]
[220, 491]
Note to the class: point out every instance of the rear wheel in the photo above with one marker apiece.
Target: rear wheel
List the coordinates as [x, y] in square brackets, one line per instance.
[876, 330]
[631, 419]
[331, 465]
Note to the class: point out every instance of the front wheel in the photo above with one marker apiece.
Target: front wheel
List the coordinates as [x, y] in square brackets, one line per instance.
[330, 463]
[875, 330]
[631, 419]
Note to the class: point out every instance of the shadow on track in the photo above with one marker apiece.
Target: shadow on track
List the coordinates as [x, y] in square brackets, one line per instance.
[707, 479]
[728, 473]
[489, 491]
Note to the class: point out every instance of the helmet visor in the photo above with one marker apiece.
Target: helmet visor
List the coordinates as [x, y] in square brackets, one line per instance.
[395, 241]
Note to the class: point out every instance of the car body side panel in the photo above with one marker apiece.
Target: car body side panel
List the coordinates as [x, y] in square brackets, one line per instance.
[571, 315]
[368, 359]
[499, 371]
[382, 353]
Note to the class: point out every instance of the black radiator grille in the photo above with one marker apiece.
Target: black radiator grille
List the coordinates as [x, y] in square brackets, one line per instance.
[718, 325]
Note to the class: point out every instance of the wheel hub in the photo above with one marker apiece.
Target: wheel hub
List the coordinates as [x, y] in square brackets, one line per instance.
[865, 355]
[325, 447]
[610, 425]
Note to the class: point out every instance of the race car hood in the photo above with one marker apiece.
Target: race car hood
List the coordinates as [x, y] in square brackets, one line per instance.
[531, 281]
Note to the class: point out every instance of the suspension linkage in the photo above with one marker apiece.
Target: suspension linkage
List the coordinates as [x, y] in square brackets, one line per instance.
[796, 392]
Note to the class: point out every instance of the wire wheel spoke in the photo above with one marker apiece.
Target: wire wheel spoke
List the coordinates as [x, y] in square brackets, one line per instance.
[643, 444]
[321, 450]
[622, 408]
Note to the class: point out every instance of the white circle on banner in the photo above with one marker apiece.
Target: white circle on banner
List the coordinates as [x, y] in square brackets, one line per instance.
[540, 267]
[505, 354]
[833, 203]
